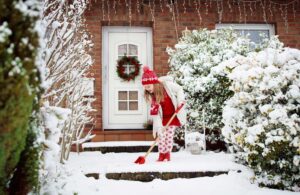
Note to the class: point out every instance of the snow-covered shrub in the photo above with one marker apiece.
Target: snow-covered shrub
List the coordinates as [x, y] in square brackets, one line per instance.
[190, 64]
[19, 96]
[262, 119]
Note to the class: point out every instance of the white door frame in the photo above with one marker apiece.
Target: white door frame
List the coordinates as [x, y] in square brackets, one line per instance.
[105, 56]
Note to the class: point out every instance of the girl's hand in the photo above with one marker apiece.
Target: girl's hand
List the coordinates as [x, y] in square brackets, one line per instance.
[183, 102]
[158, 131]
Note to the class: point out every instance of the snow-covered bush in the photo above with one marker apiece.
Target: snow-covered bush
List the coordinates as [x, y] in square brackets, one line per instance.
[19, 96]
[190, 64]
[262, 119]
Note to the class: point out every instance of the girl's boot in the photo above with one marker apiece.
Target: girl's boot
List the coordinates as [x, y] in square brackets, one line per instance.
[167, 156]
[161, 157]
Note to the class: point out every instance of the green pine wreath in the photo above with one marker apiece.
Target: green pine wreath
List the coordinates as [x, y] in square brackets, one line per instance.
[121, 69]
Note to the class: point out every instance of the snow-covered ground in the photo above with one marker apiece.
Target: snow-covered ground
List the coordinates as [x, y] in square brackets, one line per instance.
[233, 183]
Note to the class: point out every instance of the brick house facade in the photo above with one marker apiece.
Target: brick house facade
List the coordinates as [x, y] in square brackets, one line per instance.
[157, 15]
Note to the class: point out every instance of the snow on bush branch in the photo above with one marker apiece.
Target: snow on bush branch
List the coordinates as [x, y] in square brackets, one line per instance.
[191, 61]
[67, 63]
[262, 118]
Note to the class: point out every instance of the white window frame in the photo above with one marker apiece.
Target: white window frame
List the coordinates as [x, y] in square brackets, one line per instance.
[269, 27]
[126, 112]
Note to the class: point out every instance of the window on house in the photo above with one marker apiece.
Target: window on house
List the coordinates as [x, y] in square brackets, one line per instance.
[252, 30]
[128, 50]
[128, 100]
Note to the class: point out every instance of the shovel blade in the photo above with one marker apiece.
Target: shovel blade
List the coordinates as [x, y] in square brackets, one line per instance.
[140, 160]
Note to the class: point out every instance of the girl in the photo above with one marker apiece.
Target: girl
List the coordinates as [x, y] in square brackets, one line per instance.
[165, 96]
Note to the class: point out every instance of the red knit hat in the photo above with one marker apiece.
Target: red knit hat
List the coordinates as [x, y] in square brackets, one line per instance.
[149, 76]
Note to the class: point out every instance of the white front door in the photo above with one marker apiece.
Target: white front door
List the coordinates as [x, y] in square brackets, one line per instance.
[124, 106]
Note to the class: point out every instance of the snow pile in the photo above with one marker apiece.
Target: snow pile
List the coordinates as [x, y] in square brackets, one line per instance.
[262, 119]
[191, 61]
[234, 183]
[195, 142]
[54, 119]
[57, 178]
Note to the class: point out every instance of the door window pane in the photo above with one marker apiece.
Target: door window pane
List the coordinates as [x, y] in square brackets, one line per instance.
[133, 51]
[123, 106]
[133, 95]
[127, 49]
[133, 106]
[128, 100]
[122, 50]
[122, 95]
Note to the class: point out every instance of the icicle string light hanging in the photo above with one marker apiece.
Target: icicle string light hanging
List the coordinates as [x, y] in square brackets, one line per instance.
[262, 3]
[251, 10]
[206, 7]
[129, 12]
[103, 10]
[219, 12]
[198, 12]
[114, 7]
[245, 13]
[108, 8]
[229, 6]
[240, 12]
[161, 6]
[138, 6]
[177, 12]
[294, 11]
[268, 9]
[152, 11]
[171, 9]
[184, 8]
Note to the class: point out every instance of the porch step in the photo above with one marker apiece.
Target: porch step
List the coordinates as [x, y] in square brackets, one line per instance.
[122, 135]
[150, 176]
[121, 146]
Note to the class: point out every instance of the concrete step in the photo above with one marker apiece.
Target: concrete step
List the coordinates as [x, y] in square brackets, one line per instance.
[150, 176]
[121, 146]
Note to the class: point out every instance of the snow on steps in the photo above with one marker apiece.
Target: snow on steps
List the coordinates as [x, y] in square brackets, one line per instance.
[121, 146]
[121, 166]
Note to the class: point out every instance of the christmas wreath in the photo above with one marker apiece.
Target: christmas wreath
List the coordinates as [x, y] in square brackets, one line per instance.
[128, 68]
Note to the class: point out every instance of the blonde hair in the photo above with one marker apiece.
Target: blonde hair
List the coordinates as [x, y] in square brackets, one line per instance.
[158, 93]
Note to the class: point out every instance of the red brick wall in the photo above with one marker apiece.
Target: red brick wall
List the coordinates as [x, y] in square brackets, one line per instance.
[164, 31]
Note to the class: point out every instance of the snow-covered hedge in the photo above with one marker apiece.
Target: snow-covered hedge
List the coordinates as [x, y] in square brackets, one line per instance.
[191, 62]
[262, 119]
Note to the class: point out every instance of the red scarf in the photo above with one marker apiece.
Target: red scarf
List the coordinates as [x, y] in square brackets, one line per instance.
[154, 106]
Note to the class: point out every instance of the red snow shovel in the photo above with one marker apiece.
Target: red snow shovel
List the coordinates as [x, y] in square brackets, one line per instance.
[141, 159]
